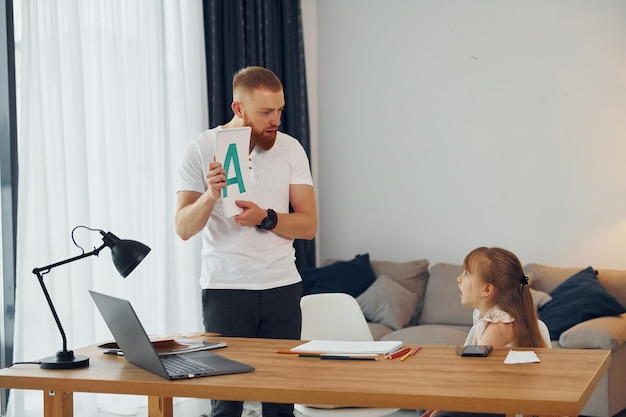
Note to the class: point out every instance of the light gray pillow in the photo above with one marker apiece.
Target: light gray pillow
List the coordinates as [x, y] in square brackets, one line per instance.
[412, 275]
[388, 303]
[540, 298]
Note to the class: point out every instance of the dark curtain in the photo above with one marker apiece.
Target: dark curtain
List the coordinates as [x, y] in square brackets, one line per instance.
[268, 33]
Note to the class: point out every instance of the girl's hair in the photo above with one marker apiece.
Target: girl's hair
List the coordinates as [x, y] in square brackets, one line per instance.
[255, 78]
[504, 271]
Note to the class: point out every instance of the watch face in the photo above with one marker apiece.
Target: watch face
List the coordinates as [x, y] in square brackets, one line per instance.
[270, 221]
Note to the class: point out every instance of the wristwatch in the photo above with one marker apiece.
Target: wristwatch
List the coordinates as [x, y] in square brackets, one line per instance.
[269, 222]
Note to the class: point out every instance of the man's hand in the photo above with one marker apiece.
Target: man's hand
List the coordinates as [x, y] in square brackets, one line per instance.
[251, 215]
[301, 224]
[216, 178]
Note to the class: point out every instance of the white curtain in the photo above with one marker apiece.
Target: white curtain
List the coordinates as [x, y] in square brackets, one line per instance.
[111, 90]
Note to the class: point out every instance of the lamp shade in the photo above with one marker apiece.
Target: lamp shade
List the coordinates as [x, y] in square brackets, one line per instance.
[126, 254]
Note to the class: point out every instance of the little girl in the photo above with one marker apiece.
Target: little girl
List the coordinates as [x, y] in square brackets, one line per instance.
[494, 284]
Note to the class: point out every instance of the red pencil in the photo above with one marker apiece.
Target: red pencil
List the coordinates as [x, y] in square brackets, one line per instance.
[411, 353]
[398, 353]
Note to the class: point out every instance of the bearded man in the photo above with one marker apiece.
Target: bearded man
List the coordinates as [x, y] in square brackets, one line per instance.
[250, 284]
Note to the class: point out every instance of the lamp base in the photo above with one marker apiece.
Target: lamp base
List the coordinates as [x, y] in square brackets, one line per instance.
[64, 359]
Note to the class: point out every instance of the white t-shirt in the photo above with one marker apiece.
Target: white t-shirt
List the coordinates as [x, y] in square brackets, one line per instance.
[243, 257]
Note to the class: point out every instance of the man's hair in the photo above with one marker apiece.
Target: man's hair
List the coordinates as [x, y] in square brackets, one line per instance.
[255, 78]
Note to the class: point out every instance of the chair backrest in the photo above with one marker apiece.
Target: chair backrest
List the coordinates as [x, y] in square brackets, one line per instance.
[333, 316]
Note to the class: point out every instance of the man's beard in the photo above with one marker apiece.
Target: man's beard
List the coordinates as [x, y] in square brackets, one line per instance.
[258, 138]
[263, 141]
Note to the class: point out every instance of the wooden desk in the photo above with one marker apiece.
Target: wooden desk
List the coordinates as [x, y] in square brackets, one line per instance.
[435, 378]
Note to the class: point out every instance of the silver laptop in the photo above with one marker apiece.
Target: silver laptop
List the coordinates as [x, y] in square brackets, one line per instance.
[131, 337]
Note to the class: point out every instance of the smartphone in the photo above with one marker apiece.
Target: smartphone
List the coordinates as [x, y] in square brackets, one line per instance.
[476, 350]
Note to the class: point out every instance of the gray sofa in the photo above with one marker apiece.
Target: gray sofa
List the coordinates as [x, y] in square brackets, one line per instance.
[411, 302]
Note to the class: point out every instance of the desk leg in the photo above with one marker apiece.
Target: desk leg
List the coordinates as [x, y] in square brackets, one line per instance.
[160, 407]
[58, 404]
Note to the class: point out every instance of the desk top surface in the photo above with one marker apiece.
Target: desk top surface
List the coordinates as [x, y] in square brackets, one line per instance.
[435, 378]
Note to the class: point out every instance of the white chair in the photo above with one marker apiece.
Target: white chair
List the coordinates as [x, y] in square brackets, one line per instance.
[335, 316]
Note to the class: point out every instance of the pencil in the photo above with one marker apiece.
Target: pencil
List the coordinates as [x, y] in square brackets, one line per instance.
[398, 353]
[417, 348]
[411, 353]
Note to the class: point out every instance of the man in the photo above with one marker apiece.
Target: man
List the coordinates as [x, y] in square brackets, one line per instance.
[250, 284]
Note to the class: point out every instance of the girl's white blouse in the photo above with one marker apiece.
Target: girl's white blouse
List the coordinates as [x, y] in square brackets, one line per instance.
[494, 315]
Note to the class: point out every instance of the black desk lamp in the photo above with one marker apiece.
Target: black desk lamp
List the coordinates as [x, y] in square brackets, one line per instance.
[126, 254]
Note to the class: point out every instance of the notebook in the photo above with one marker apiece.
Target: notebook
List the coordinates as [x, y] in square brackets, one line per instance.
[132, 338]
[378, 347]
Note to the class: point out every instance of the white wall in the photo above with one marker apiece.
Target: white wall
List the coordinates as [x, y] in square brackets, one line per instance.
[446, 125]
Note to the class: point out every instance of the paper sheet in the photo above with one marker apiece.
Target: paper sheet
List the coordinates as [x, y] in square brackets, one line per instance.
[525, 356]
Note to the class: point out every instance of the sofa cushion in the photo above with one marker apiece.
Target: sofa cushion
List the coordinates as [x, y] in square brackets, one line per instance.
[388, 303]
[599, 333]
[430, 334]
[412, 275]
[351, 277]
[581, 297]
[547, 278]
[442, 304]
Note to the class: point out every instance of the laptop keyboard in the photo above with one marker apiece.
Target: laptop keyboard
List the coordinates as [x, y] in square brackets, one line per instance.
[181, 365]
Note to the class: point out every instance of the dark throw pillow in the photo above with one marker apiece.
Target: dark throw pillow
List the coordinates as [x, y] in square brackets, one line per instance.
[351, 277]
[579, 298]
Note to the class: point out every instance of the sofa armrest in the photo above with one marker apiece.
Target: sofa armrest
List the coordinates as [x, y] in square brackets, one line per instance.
[600, 333]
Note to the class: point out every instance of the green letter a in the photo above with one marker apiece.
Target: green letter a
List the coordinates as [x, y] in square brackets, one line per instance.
[232, 155]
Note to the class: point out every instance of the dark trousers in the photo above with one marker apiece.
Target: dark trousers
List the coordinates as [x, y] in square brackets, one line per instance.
[273, 314]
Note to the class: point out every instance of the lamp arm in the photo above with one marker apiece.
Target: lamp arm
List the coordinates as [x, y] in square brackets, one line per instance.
[40, 272]
[45, 269]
